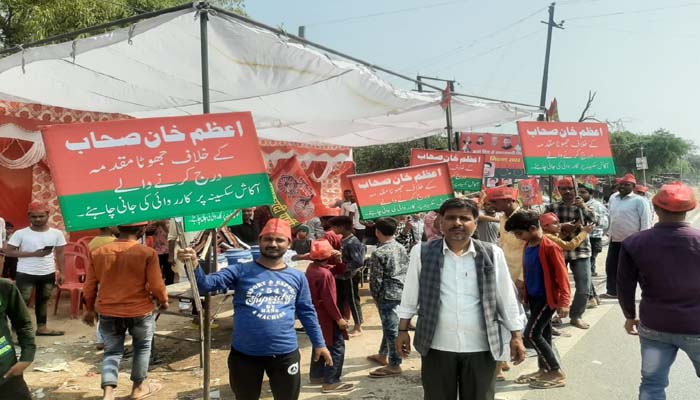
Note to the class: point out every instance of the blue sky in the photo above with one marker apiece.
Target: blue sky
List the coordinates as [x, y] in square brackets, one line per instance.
[641, 56]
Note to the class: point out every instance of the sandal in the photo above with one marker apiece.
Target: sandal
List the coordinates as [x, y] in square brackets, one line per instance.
[579, 323]
[527, 378]
[383, 373]
[547, 384]
[153, 388]
[338, 388]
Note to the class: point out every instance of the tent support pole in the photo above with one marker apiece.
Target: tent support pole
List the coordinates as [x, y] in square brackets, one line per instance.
[203, 9]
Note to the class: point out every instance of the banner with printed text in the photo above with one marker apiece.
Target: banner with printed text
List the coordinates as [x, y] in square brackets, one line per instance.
[402, 191]
[566, 148]
[503, 155]
[466, 170]
[212, 220]
[119, 172]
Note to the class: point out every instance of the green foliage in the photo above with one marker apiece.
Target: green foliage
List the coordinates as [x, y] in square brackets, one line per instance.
[662, 148]
[23, 21]
[390, 156]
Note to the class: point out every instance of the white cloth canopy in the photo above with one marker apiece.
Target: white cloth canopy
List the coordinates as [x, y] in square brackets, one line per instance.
[295, 93]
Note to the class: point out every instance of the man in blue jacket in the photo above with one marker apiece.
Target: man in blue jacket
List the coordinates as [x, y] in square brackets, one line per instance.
[268, 294]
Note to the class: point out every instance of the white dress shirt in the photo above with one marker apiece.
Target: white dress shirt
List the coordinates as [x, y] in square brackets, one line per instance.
[628, 215]
[460, 326]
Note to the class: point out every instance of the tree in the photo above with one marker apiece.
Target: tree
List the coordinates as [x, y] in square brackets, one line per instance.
[394, 155]
[662, 149]
[23, 21]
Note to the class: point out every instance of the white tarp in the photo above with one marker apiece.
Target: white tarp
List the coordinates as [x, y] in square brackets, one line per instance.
[295, 93]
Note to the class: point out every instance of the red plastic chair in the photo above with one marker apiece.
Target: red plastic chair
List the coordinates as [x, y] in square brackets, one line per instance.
[75, 270]
[84, 241]
[76, 248]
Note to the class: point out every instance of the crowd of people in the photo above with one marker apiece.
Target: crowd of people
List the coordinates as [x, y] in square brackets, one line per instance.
[487, 278]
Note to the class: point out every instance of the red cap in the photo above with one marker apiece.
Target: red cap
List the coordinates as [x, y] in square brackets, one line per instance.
[548, 219]
[628, 178]
[279, 226]
[38, 207]
[565, 182]
[502, 193]
[675, 197]
[321, 250]
[641, 188]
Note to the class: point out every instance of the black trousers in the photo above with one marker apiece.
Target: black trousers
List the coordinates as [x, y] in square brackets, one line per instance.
[538, 333]
[446, 374]
[166, 269]
[319, 369]
[15, 388]
[596, 248]
[349, 296]
[611, 267]
[245, 374]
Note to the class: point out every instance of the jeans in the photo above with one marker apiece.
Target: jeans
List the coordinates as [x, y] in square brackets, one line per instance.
[659, 351]
[113, 330]
[596, 248]
[390, 330]
[43, 285]
[538, 333]
[319, 369]
[582, 278]
[611, 267]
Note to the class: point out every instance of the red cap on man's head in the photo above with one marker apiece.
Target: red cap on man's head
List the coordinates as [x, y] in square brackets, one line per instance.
[641, 188]
[279, 226]
[675, 197]
[565, 183]
[320, 250]
[548, 219]
[37, 207]
[501, 193]
[628, 178]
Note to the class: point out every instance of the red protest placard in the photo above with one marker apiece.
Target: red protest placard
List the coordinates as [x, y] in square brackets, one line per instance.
[566, 148]
[466, 170]
[402, 191]
[114, 172]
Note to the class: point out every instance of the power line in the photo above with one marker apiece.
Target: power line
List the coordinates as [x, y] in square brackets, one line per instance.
[384, 13]
[648, 10]
[467, 45]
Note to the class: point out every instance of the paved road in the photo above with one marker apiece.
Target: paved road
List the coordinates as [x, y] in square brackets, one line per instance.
[604, 362]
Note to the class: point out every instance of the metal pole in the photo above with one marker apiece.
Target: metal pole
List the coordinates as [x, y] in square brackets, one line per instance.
[545, 74]
[203, 8]
[644, 169]
[302, 31]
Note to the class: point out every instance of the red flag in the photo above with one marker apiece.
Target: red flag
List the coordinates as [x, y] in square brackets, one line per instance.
[446, 97]
[553, 111]
[592, 180]
[295, 191]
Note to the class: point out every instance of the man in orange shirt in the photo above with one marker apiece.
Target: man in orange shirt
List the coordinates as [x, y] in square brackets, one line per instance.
[129, 277]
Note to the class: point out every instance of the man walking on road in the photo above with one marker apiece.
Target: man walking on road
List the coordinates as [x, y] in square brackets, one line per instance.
[664, 261]
[586, 190]
[129, 277]
[629, 214]
[468, 307]
[570, 210]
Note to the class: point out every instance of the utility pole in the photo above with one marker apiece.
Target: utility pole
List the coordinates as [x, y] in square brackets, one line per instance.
[420, 89]
[302, 31]
[644, 170]
[545, 75]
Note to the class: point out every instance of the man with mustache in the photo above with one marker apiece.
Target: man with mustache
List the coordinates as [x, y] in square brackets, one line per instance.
[268, 294]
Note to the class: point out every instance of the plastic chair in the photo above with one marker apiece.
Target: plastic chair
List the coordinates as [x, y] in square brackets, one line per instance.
[75, 270]
[84, 241]
[76, 248]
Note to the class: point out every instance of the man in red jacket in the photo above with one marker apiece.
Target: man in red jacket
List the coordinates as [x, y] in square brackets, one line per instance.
[546, 290]
[333, 325]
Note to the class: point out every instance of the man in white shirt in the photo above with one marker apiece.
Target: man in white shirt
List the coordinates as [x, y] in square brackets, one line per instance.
[629, 214]
[39, 250]
[469, 310]
[349, 208]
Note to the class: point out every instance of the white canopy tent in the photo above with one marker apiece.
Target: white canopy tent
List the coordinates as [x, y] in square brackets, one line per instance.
[152, 68]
